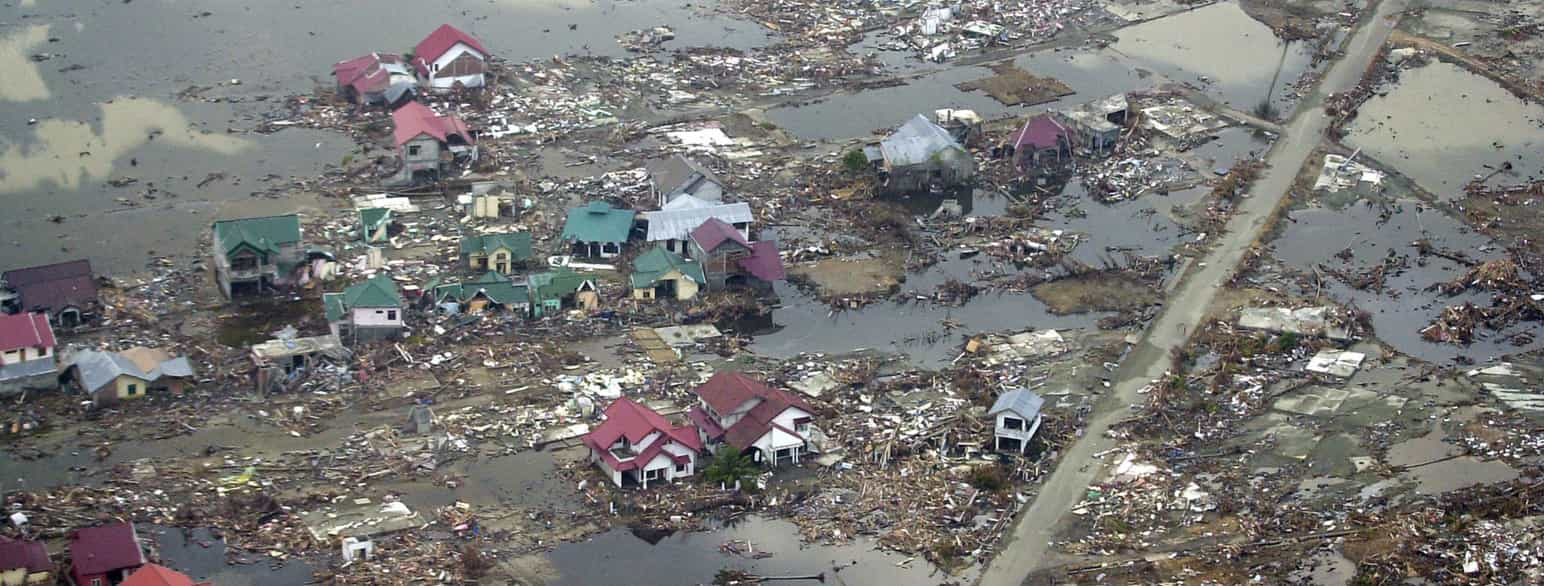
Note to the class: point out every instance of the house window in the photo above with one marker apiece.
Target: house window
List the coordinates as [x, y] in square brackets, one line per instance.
[412, 150]
[244, 262]
[652, 474]
[680, 467]
[96, 582]
[133, 389]
[391, 314]
[1013, 424]
[801, 425]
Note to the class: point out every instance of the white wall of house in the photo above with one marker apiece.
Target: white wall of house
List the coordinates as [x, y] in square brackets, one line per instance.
[444, 61]
[612, 473]
[26, 354]
[778, 439]
[377, 317]
[727, 420]
[1025, 428]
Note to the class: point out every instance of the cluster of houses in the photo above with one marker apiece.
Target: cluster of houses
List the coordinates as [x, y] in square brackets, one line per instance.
[107, 555]
[1050, 139]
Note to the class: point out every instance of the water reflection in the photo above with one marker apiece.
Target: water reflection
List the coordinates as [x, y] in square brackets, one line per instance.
[22, 81]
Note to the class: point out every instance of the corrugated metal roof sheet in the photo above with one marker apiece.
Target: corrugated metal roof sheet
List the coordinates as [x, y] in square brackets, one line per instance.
[677, 222]
[1024, 402]
[97, 369]
[598, 222]
[915, 142]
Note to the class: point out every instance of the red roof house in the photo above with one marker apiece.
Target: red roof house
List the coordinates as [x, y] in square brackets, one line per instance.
[448, 57]
[1042, 137]
[25, 336]
[366, 79]
[63, 290]
[747, 414]
[29, 556]
[100, 556]
[413, 120]
[635, 445]
[158, 575]
[727, 255]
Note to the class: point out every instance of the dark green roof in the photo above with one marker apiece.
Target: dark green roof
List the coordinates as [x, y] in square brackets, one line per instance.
[650, 266]
[265, 234]
[553, 285]
[374, 218]
[598, 222]
[518, 243]
[380, 291]
[496, 287]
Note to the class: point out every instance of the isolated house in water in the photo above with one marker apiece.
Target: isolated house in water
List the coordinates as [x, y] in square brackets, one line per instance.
[109, 377]
[661, 274]
[636, 446]
[1096, 126]
[679, 176]
[1017, 417]
[672, 225]
[377, 78]
[102, 556]
[921, 155]
[365, 311]
[449, 58]
[66, 292]
[27, 359]
[254, 255]
[429, 144]
[499, 253]
[598, 230]
[1042, 141]
[771, 424]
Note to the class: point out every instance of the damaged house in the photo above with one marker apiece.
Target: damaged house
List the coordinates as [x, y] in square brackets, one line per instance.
[772, 425]
[672, 225]
[66, 292]
[679, 176]
[109, 377]
[635, 445]
[555, 291]
[100, 556]
[278, 364]
[374, 79]
[730, 260]
[27, 359]
[1041, 143]
[1016, 414]
[597, 230]
[920, 156]
[25, 562]
[500, 253]
[375, 225]
[430, 145]
[450, 59]
[662, 274]
[488, 292]
[254, 255]
[365, 311]
[1096, 126]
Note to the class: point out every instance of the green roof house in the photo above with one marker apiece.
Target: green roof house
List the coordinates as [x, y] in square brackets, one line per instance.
[489, 289]
[369, 310]
[660, 273]
[496, 252]
[253, 255]
[554, 291]
[598, 230]
[373, 224]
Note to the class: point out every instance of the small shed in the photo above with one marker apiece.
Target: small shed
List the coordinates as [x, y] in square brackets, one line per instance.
[1017, 417]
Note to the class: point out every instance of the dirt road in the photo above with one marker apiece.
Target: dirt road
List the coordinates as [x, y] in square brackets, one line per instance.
[1028, 547]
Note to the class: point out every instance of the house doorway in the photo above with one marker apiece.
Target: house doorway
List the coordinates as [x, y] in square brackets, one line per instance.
[665, 290]
[69, 317]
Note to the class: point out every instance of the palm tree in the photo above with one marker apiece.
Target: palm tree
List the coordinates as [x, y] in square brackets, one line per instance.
[729, 466]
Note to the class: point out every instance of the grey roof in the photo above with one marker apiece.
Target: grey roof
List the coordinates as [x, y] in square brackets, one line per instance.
[26, 369]
[679, 175]
[1023, 402]
[98, 368]
[915, 142]
[677, 222]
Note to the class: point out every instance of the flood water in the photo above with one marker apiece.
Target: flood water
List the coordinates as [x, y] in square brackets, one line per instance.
[1416, 128]
[201, 555]
[619, 557]
[1447, 475]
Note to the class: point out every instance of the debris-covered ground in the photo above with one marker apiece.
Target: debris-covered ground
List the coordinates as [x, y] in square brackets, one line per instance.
[1277, 304]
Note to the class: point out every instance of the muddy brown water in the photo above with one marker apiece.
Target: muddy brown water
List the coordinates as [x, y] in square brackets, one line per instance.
[619, 557]
[201, 555]
[1441, 126]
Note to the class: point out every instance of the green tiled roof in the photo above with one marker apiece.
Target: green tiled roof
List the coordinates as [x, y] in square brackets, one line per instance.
[498, 288]
[598, 222]
[650, 266]
[374, 218]
[333, 304]
[518, 243]
[263, 234]
[380, 291]
[553, 285]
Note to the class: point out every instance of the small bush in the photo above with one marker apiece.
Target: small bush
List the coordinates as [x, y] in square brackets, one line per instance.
[854, 162]
[988, 478]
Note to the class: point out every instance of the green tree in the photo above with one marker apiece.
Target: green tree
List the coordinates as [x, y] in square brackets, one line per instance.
[729, 465]
[854, 161]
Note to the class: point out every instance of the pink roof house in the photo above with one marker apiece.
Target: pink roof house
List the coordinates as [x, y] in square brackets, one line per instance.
[635, 445]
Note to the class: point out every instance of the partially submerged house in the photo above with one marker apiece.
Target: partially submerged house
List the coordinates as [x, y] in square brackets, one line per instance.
[921, 155]
[430, 145]
[560, 289]
[102, 556]
[27, 359]
[680, 176]
[365, 311]
[449, 59]
[963, 125]
[278, 364]
[24, 563]
[108, 377]
[1097, 125]
[597, 230]
[662, 274]
[1042, 141]
[489, 291]
[672, 225]
[771, 424]
[374, 225]
[635, 446]
[374, 79]
[254, 255]
[66, 292]
[159, 575]
[500, 253]
[1016, 414]
[730, 260]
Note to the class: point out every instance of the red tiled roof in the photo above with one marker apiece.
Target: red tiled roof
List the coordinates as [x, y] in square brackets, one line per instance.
[626, 418]
[758, 421]
[365, 73]
[714, 232]
[704, 422]
[764, 262]
[98, 550]
[31, 555]
[413, 119]
[441, 40]
[727, 391]
[158, 575]
[25, 330]
[53, 286]
[1040, 131]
